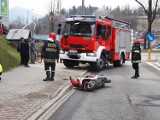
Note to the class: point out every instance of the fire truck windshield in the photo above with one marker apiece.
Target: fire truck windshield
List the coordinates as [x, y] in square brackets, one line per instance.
[79, 28]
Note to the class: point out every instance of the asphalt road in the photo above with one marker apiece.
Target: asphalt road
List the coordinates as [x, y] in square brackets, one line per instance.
[122, 99]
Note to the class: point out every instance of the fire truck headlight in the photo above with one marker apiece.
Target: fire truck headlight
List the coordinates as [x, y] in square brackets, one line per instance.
[62, 52]
[91, 54]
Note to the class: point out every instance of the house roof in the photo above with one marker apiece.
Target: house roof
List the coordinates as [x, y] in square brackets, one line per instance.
[44, 37]
[16, 34]
[40, 37]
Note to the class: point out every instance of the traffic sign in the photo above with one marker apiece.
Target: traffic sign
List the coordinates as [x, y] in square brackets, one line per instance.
[150, 37]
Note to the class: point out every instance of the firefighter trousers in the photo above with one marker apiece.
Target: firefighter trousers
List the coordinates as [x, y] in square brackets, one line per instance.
[135, 66]
[50, 69]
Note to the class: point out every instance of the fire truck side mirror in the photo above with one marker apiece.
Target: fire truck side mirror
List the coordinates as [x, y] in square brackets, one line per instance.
[59, 28]
[59, 31]
[65, 35]
[59, 25]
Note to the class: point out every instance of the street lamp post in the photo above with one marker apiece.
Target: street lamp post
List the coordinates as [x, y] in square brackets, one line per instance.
[27, 14]
[82, 7]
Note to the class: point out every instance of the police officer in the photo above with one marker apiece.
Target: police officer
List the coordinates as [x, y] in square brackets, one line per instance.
[1, 70]
[50, 52]
[136, 58]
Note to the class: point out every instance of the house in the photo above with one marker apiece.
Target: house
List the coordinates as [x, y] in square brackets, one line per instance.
[14, 36]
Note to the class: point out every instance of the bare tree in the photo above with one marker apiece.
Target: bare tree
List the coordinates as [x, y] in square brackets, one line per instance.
[18, 23]
[53, 15]
[151, 11]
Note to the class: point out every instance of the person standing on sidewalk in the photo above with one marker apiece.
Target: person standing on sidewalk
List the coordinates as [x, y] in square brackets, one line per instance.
[32, 50]
[50, 53]
[136, 58]
[1, 70]
[26, 52]
[20, 49]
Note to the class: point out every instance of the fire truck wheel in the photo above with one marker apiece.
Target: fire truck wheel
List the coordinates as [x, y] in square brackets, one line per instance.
[121, 61]
[100, 64]
[69, 63]
[118, 63]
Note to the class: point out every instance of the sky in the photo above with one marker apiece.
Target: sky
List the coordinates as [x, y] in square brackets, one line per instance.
[40, 6]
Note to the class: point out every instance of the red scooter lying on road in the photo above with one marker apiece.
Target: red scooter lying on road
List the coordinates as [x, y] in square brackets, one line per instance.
[89, 82]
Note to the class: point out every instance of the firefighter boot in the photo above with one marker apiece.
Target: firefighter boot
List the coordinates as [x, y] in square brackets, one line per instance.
[137, 73]
[52, 76]
[48, 76]
[135, 76]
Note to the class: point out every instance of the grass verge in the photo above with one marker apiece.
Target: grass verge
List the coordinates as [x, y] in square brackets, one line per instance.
[9, 57]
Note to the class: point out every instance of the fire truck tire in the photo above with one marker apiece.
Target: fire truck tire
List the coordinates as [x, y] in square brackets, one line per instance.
[121, 61]
[100, 64]
[118, 63]
[115, 63]
[69, 63]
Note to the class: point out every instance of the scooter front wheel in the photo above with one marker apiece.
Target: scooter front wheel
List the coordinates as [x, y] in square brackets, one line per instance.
[87, 86]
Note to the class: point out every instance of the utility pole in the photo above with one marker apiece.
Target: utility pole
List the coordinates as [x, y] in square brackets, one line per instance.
[51, 16]
[82, 7]
[27, 14]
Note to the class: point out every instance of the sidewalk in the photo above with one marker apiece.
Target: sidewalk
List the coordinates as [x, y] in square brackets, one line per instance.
[23, 91]
[153, 57]
[154, 60]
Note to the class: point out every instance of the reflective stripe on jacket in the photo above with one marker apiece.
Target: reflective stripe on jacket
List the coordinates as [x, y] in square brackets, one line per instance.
[136, 56]
[136, 61]
[49, 60]
[1, 69]
[50, 51]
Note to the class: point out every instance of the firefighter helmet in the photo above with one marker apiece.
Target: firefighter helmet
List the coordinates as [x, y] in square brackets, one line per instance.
[52, 36]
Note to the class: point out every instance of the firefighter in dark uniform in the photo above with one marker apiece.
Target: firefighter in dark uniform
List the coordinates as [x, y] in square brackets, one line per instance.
[50, 53]
[136, 58]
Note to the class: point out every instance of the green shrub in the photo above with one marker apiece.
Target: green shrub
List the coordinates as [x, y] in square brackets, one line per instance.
[9, 57]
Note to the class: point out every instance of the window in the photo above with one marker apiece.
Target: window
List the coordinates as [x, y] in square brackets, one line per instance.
[79, 29]
[108, 32]
[103, 31]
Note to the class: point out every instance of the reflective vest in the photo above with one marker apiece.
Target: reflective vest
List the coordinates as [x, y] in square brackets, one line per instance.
[136, 56]
[50, 51]
[1, 69]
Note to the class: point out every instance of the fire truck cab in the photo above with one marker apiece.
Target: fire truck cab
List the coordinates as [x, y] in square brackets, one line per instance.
[86, 39]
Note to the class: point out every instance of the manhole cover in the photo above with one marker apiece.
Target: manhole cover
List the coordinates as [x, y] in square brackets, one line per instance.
[145, 100]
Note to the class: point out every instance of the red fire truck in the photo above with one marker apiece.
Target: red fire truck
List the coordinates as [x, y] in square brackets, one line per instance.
[86, 39]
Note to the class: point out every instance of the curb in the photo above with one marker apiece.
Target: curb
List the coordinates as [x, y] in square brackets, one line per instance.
[57, 96]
